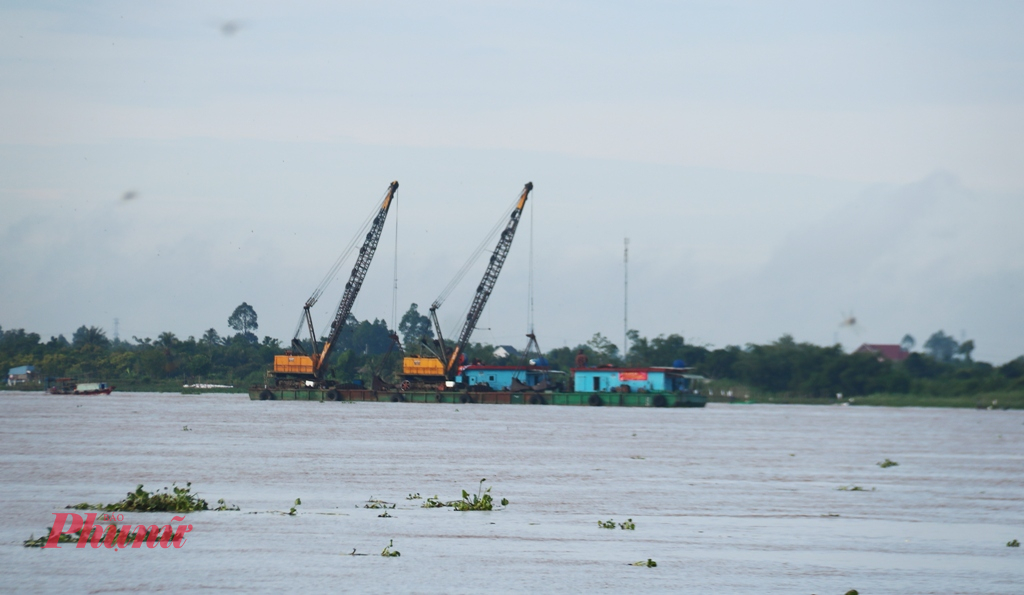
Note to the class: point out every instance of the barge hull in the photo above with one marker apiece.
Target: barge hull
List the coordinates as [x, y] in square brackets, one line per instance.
[492, 398]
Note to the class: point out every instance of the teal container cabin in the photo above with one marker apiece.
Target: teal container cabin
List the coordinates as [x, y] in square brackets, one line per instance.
[651, 380]
[500, 377]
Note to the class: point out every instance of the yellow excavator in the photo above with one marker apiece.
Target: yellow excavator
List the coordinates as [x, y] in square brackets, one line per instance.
[439, 371]
[299, 369]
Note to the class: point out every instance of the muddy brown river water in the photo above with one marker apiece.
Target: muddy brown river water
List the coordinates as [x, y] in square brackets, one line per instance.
[726, 499]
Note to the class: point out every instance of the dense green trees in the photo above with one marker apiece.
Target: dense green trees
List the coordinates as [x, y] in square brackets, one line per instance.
[803, 369]
[941, 346]
[89, 336]
[233, 360]
[414, 327]
[782, 367]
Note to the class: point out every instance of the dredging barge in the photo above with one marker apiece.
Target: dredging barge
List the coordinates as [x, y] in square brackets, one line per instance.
[443, 376]
[503, 385]
[658, 399]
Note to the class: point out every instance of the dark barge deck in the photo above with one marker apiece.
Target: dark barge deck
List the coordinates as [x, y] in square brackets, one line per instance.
[652, 399]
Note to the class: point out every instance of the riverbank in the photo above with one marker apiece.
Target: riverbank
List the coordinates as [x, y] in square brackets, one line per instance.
[996, 400]
[141, 387]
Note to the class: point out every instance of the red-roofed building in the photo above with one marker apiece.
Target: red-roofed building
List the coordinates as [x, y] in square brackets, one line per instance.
[893, 353]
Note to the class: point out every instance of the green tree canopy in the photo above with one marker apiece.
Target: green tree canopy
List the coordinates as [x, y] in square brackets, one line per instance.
[89, 336]
[243, 319]
[965, 349]
[211, 337]
[365, 337]
[602, 346]
[167, 339]
[414, 326]
[941, 346]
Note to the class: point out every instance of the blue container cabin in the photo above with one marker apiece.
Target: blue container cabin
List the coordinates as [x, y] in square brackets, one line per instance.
[500, 377]
[655, 379]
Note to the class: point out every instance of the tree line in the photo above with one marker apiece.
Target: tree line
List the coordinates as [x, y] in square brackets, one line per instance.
[944, 367]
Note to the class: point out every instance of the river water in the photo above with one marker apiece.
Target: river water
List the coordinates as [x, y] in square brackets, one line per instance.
[726, 499]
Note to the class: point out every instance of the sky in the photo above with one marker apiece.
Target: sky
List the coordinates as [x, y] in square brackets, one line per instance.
[777, 167]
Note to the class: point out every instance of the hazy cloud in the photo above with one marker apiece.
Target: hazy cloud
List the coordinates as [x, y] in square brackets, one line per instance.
[772, 167]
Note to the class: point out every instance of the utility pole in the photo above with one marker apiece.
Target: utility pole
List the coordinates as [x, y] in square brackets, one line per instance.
[116, 324]
[625, 299]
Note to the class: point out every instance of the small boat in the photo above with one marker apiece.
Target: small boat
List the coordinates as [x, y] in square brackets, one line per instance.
[68, 386]
[93, 388]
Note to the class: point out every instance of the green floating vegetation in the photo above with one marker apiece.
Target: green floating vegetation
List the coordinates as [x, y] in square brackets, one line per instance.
[1013, 543]
[629, 525]
[222, 505]
[388, 551]
[34, 541]
[293, 511]
[415, 496]
[481, 500]
[385, 515]
[852, 592]
[173, 499]
[434, 502]
[887, 463]
[375, 503]
[854, 489]
[649, 563]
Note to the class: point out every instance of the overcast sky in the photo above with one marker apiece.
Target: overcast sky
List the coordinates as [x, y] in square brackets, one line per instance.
[777, 167]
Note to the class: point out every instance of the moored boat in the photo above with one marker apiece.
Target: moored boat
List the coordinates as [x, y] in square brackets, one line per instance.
[93, 388]
[69, 386]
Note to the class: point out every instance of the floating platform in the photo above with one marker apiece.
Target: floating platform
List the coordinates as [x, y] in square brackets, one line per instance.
[659, 399]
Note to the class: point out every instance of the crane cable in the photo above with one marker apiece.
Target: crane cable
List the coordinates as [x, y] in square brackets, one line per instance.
[529, 283]
[336, 267]
[529, 297]
[475, 255]
[394, 286]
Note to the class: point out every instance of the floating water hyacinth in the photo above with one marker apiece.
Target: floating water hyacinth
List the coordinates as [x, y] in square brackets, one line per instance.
[482, 500]
[388, 551]
[173, 499]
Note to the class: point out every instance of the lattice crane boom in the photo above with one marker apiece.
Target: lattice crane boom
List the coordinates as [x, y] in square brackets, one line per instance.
[486, 286]
[355, 283]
